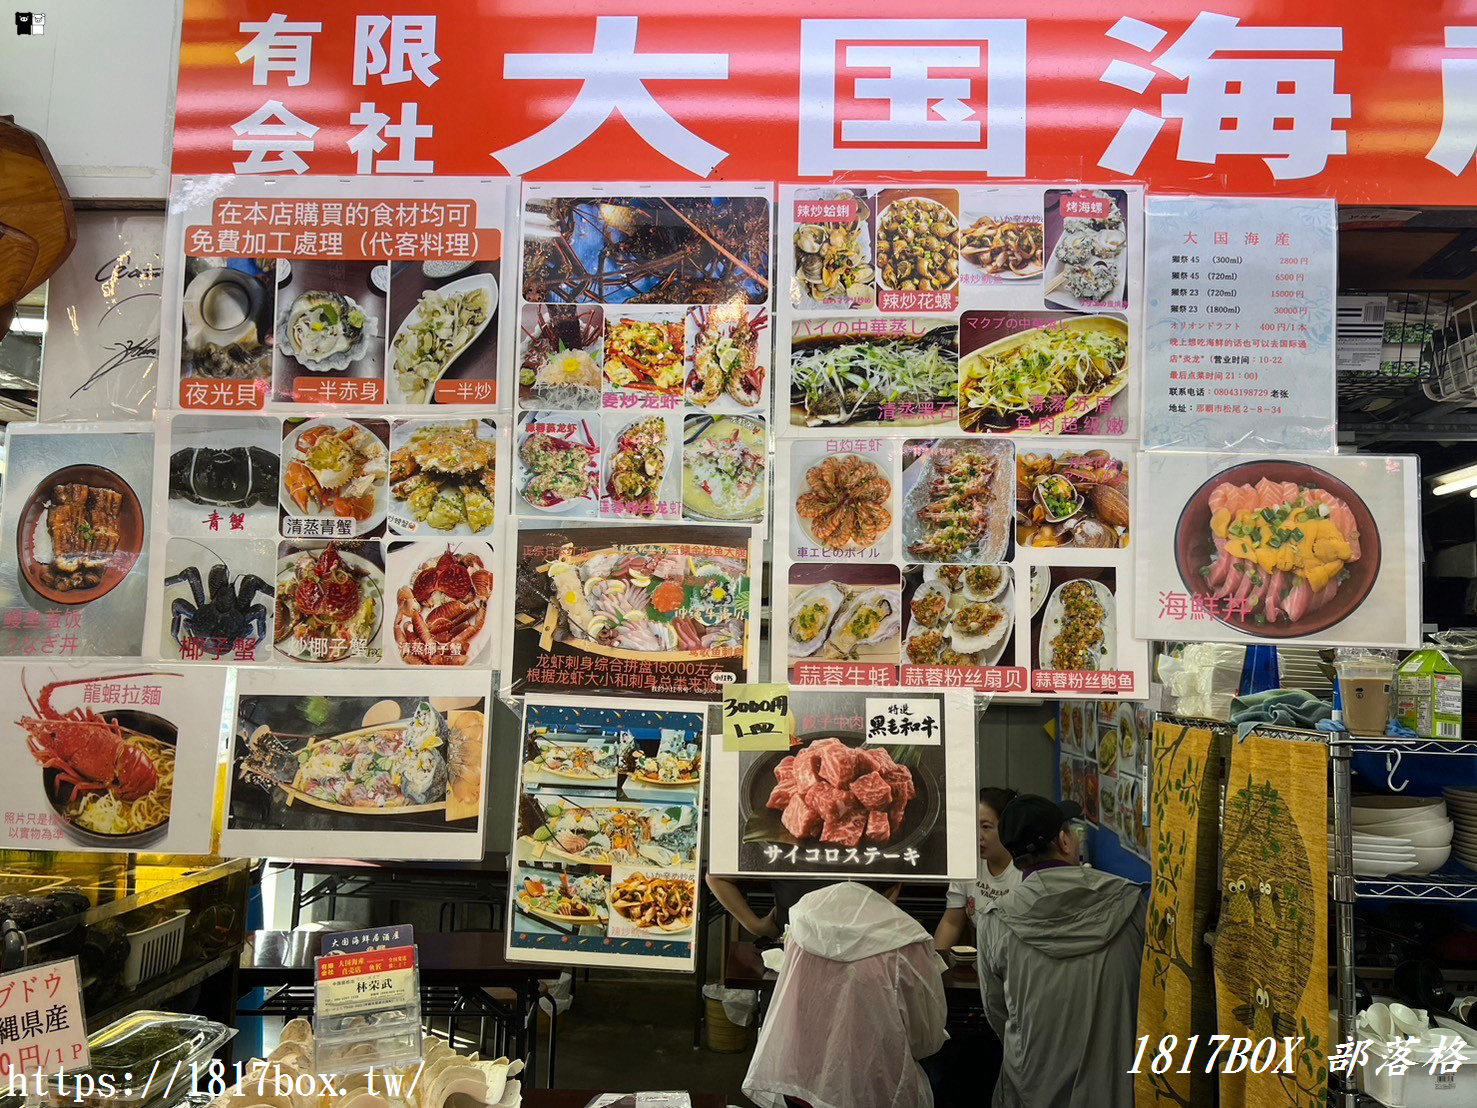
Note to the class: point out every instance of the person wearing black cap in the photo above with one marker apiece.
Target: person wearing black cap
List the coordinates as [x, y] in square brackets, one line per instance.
[1059, 968]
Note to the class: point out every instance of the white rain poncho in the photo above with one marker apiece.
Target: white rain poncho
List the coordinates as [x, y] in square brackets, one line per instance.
[859, 1001]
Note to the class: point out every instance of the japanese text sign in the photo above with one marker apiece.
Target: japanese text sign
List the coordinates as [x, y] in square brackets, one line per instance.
[352, 984]
[896, 721]
[41, 1024]
[1239, 328]
[1311, 93]
[375, 938]
[757, 717]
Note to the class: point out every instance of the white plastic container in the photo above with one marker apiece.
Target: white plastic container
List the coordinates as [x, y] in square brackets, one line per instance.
[156, 949]
[1417, 1087]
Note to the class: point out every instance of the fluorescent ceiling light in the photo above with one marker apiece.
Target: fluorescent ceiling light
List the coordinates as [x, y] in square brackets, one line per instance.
[1456, 484]
[26, 326]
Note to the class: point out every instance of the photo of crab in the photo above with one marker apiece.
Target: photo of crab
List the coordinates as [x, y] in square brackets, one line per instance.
[216, 600]
[959, 615]
[647, 610]
[843, 496]
[330, 601]
[443, 593]
[111, 757]
[557, 463]
[442, 324]
[223, 475]
[641, 465]
[329, 326]
[1077, 629]
[832, 244]
[1087, 248]
[74, 565]
[561, 352]
[334, 472]
[228, 318]
[389, 765]
[844, 613]
[443, 477]
[843, 372]
[956, 500]
[703, 248]
[727, 358]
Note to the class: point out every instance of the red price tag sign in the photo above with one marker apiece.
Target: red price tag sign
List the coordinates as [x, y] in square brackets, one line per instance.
[1085, 205]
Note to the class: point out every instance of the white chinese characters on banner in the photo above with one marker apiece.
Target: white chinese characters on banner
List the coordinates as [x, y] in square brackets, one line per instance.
[1281, 108]
[933, 122]
[613, 77]
[1456, 145]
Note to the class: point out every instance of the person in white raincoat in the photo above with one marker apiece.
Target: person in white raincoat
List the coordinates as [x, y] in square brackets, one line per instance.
[859, 1001]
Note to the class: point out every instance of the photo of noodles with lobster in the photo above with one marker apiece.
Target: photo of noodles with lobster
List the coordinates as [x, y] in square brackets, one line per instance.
[104, 752]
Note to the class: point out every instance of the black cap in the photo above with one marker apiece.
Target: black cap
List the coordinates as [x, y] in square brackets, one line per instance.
[1030, 823]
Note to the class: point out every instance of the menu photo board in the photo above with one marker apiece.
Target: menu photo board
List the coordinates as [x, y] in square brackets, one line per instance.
[953, 474]
[336, 540]
[335, 292]
[608, 833]
[117, 756]
[375, 766]
[874, 784]
[643, 353]
[1103, 762]
[1242, 549]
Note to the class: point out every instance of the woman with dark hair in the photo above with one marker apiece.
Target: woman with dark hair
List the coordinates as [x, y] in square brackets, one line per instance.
[997, 876]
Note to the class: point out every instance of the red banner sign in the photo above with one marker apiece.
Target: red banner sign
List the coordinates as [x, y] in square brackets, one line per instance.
[1252, 96]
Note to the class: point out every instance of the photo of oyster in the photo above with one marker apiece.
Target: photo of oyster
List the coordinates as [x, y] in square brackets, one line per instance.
[321, 325]
[869, 619]
[811, 616]
[844, 613]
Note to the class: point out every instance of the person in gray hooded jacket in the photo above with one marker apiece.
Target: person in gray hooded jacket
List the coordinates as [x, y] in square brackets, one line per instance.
[1059, 968]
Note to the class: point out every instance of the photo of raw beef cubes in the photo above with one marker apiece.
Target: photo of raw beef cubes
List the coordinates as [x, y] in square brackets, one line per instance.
[842, 795]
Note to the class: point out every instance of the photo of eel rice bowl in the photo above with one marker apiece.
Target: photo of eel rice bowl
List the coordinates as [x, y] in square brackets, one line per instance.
[1284, 548]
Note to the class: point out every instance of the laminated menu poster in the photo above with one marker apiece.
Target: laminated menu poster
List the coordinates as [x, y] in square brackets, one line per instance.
[385, 765]
[607, 834]
[1104, 757]
[985, 563]
[643, 354]
[874, 785]
[331, 540]
[1236, 549]
[635, 610]
[111, 757]
[952, 480]
[338, 292]
[75, 533]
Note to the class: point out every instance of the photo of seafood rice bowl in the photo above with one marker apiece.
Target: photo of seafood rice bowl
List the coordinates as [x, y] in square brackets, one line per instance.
[1283, 549]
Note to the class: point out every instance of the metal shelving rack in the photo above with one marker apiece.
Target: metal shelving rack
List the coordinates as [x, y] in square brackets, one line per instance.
[1455, 885]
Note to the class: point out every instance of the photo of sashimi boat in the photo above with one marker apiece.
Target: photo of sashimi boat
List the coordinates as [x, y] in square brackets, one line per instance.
[555, 827]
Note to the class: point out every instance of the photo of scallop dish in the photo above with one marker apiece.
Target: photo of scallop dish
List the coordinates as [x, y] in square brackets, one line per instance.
[959, 615]
[844, 613]
[957, 500]
[561, 352]
[725, 468]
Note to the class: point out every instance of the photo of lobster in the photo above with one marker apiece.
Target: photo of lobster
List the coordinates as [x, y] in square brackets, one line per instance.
[109, 777]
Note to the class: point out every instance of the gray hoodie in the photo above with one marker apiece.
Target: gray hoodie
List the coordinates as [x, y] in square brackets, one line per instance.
[1059, 970]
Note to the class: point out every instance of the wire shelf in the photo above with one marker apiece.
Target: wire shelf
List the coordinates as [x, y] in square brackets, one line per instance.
[1449, 884]
[1384, 744]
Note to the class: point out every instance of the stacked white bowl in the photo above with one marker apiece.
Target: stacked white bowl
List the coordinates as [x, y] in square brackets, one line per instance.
[1462, 804]
[1402, 834]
